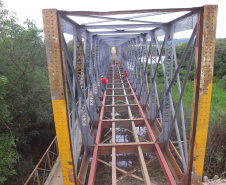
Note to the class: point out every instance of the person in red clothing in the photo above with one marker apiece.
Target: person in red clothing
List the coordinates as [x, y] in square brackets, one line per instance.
[126, 74]
[114, 62]
[117, 63]
[104, 82]
[122, 76]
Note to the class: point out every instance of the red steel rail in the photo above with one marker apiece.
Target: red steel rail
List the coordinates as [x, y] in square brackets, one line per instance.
[95, 150]
[165, 167]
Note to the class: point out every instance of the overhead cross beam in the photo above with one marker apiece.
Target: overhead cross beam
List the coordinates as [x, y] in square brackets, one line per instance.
[195, 9]
[120, 32]
[107, 19]
[128, 26]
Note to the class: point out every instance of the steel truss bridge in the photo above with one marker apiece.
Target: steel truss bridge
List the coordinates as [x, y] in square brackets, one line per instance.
[131, 117]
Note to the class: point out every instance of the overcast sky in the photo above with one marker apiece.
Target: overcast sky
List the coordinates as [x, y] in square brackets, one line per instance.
[33, 8]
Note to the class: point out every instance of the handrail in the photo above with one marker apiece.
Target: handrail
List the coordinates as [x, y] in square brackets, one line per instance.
[46, 154]
[35, 171]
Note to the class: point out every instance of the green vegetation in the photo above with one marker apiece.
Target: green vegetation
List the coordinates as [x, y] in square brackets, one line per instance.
[219, 62]
[215, 160]
[26, 120]
[8, 157]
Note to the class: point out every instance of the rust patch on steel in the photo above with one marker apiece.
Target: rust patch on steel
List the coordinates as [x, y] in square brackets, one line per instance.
[71, 176]
[196, 179]
[208, 50]
[69, 162]
[53, 54]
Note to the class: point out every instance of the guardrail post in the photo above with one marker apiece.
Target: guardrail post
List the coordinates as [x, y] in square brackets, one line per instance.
[37, 177]
[48, 159]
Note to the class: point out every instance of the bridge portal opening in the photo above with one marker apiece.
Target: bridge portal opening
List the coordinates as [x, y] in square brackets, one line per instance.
[114, 50]
[79, 100]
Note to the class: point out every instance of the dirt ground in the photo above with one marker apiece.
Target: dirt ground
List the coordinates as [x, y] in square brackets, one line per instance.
[133, 181]
[215, 182]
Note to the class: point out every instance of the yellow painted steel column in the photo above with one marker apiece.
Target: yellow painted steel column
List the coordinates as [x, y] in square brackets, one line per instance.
[58, 92]
[206, 78]
[205, 50]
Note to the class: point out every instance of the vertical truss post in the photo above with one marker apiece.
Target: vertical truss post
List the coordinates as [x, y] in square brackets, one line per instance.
[155, 86]
[130, 58]
[122, 59]
[83, 110]
[205, 50]
[101, 58]
[121, 52]
[92, 106]
[168, 63]
[124, 56]
[99, 73]
[138, 84]
[105, 56]
[127, 62]
[136, 65]
[125, 52]
[145, 71]
[95, 72]
[75, 141]
[73, 80]
[152, 99]
[57, 80]
[132, 70]
[134, 60]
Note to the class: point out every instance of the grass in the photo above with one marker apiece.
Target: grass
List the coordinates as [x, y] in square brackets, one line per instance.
[218, 106]
[218, 100]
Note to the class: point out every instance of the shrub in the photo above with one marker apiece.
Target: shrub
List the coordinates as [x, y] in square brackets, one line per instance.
[8, 158]
[222, 82]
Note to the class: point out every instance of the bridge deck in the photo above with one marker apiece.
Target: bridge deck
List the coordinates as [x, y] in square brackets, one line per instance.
[125, 138]
[125, 141]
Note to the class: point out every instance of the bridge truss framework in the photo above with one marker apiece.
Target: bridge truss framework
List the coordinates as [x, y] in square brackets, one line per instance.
[75, 84]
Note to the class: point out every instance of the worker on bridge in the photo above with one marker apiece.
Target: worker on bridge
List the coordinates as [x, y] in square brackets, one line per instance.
[122, 76]
[114, 62]
[104, 82]
[126, 74]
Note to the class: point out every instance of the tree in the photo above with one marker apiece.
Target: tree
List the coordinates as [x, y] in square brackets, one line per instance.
[8, 157]
[26, 120]
[219, 59]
